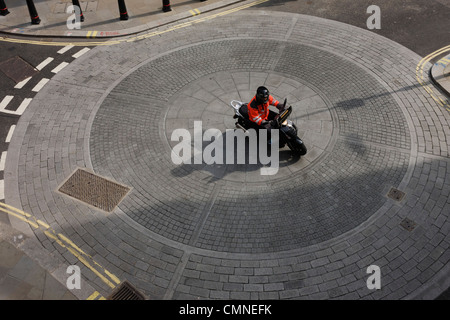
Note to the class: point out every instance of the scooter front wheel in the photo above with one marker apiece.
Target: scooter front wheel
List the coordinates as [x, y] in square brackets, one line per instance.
[298, 147]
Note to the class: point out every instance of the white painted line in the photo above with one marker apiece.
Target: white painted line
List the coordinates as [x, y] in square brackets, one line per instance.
[65, 49]
[6, 100]
[2, 161]
[60, 67]
[23, 106]
[40, 85]
[44, 63]
[10, 133]
[2, 189]
[22, 83]
[81, 52]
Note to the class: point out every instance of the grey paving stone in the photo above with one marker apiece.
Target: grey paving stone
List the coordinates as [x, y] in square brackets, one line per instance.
[199, 232]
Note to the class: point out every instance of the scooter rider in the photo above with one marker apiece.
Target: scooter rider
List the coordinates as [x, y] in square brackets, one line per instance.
[258, 108]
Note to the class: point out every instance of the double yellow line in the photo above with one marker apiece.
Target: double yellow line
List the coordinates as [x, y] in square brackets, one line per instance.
[92, 34]
[194, 12]
[190, 23]
[444, 60]
[245, 6]
[96, 296]
[107, 277]
[421, 78]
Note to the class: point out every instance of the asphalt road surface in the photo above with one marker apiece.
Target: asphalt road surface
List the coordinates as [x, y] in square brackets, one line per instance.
[422, 26]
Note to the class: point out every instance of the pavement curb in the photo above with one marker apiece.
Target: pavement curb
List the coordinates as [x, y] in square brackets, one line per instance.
[91, 34]
[440, 74]
[42, 258]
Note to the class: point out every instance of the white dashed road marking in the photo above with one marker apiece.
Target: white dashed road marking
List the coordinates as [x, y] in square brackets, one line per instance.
[44, 63]
[81, 52]
[65, 49]
[6, 100]
[21, 84]
[40, 85]
[60, 67]
[10, 133]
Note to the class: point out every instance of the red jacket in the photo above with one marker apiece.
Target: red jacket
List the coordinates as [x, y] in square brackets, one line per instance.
[258, 113]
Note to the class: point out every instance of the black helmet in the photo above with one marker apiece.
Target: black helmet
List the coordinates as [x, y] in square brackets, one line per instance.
[262, 95]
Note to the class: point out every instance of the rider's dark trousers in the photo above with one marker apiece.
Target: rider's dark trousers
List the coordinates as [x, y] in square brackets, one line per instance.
[271, 116]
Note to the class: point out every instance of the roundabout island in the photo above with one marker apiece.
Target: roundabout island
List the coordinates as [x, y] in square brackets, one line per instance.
[225, 231]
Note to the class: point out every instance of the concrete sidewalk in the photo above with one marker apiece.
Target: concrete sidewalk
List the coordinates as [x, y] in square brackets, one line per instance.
[23, 277]
[102, 17]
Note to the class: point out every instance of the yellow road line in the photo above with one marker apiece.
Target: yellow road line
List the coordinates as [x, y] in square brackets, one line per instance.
[96, 296]
[15, 209]
[55, 238]
[421, 79]
[93, 296]
[31, 223]
[110, 279]
[112, 276]
[195, 12]
[92, 34]
[87, 264]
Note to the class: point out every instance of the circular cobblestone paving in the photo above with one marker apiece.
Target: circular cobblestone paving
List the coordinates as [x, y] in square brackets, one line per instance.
[205, 101]
[356, 134]
[193, 231]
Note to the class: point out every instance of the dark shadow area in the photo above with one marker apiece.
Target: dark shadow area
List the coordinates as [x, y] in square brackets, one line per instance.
[350, 104]
[299, 220]
[355, 103]
[335, 197]
[246, 157]
[274, 3]
[316, 206]
[20, 26]
[15, 3]
[444, 296]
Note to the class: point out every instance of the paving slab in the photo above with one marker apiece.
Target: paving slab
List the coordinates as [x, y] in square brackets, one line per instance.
[101, 17]
[25, 278]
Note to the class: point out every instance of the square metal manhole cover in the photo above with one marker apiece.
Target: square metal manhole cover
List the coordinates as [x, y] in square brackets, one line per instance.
[125, 291]
[396, 194]
[17, 69]
[408, 224]
[94, 190]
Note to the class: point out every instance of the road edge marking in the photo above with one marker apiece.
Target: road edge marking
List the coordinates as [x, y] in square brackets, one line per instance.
[64, 242]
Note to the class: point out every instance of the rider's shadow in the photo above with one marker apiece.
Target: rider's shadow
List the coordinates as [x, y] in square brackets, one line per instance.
[221, 158]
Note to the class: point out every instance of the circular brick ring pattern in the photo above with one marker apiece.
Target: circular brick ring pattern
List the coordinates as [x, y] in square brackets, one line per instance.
[365, 152]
